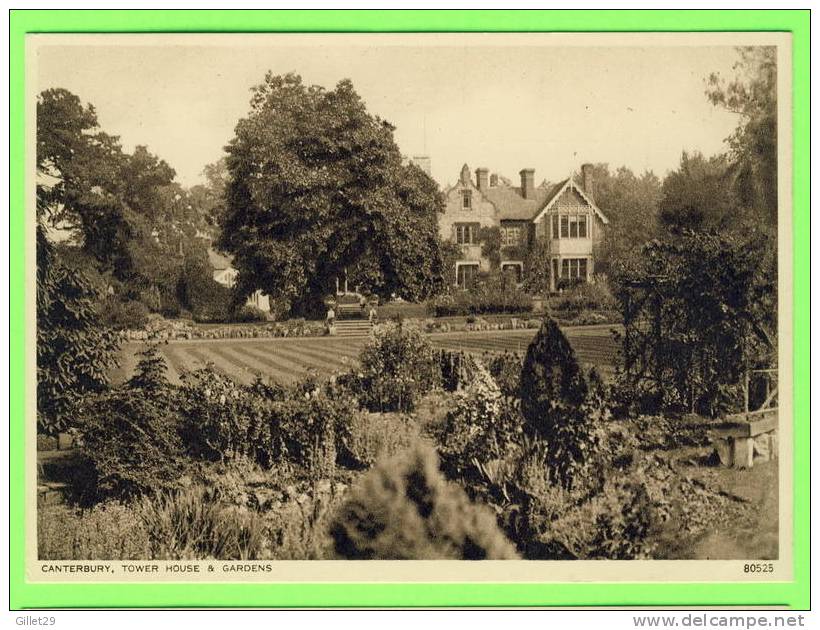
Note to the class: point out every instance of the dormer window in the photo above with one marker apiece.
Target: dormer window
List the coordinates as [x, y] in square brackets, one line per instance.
[467, 199]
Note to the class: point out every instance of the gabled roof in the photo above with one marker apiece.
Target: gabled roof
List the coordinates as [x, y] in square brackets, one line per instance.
[558, 190]
[512, 206]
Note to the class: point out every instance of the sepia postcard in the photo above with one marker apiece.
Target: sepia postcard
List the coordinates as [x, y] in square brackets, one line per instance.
[388, 308]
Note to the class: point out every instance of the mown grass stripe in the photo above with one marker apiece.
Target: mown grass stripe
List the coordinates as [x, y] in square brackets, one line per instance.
[206, 356]
[176, 358]
[324, 365]
[248, 374]
[174, 361]
[328, 355]
[281, 366]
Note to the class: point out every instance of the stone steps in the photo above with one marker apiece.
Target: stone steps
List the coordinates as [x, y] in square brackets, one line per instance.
[351, 328]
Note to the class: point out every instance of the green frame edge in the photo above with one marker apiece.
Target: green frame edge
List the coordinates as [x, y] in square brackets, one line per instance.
[27, 595]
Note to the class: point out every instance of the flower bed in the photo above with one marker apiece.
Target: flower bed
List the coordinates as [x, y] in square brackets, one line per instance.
[170, 329]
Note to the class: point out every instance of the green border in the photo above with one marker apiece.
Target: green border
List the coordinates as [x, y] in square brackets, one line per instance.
[28, 595]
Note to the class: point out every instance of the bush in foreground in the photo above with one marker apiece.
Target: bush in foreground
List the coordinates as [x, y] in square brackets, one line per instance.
[405, 509]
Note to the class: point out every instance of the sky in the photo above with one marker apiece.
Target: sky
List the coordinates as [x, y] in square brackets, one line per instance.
[504, 107]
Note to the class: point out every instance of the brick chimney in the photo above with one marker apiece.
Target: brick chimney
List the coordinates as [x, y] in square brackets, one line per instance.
[482, 178]
[588, 181]
[527, 183]
[493, 180]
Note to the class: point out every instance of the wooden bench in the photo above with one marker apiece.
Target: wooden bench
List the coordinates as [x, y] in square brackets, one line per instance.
[746, 435]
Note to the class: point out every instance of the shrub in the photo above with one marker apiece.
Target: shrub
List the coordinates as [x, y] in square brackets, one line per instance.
[223, 420]
[310, 430]
[109, 531]
[376, 436]
[556, 404]
[190, 525]
[249, 313]
[457, 369]
[494, 294]
[396, 368]
[614, 522]
[480, 427]
[124, 314]
[130, 433]
[585, 296]
[199, 293]
[404, 509]
[505, 368]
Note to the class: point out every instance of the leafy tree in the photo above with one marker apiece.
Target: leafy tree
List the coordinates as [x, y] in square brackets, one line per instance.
[752, 94]
[77, 168]
[631, 203]
[316, 188]
[198, 292]
[74, 350]
[698, 197]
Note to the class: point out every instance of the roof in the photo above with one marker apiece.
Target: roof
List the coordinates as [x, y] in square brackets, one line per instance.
[559, 189]
[511, 204]
[218, 261]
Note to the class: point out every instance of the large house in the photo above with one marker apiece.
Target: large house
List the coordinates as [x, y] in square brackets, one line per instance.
[563, 215]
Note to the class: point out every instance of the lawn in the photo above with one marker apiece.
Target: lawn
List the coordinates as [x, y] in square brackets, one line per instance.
[288, 359]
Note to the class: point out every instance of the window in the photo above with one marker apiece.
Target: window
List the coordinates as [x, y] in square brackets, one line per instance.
[466, 233]
[570, 226]
[574, 268]
[467, 199]
[466, 274]
[511, 235]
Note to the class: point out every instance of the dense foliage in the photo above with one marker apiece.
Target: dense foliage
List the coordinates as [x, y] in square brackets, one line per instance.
[482, 426]
[131, 433]
[397, 367]
[698, 311]
[557, 405]
[74, 350]
[405, 509]
[129, 224]
[493, 292]
[318, 191]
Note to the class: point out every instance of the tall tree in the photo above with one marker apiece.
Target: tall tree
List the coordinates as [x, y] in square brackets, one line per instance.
[752, 94]
[631, 203]
[698, 196]
[317, 189]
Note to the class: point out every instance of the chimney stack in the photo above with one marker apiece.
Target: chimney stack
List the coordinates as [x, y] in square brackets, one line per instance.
[588, 183]
[493, 180]
[527, 183]
[482, 176]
